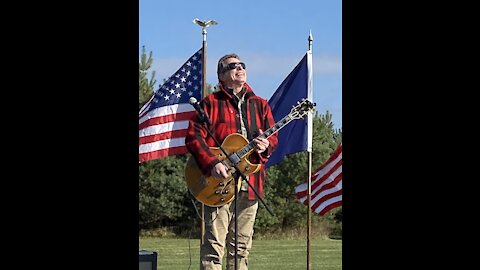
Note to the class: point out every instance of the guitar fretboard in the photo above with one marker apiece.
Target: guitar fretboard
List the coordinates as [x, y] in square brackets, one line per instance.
[269, 132]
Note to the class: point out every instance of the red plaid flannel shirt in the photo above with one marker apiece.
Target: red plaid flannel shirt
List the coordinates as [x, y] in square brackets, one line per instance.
[222, 110]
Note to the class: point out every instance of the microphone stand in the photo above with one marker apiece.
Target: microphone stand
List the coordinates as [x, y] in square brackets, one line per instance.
[203, 118]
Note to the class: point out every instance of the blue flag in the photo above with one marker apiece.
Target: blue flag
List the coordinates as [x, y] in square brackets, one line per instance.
[293, 137]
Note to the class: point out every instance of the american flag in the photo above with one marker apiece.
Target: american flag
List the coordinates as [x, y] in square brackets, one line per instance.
[163, 120]
[326, 185]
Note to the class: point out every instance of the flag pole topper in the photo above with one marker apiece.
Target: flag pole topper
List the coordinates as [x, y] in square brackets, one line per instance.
[204, 25]
[310, 40]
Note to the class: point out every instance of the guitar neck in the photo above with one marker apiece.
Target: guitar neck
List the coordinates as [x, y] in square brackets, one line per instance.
[265, 135]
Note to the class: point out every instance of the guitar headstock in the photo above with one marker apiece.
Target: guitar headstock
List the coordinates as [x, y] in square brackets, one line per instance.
[302, 108]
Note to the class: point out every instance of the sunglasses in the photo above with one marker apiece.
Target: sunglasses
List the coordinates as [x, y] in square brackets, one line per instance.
[235, 65]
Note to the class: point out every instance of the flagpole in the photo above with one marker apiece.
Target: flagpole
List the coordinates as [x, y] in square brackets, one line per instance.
[204, 94]
[204, 25]
[309, 147]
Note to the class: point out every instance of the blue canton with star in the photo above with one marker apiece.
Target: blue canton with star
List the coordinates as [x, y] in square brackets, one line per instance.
[183, 84]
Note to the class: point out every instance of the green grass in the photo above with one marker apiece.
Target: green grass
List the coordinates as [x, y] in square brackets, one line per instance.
[176, 254]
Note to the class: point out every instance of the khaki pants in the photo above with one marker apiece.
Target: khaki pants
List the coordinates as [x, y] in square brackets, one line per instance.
[220, 233]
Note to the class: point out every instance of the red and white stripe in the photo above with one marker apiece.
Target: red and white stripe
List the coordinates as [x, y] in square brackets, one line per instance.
[162, 131]
[326, 185]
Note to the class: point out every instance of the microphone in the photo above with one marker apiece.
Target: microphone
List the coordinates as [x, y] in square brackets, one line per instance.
[201, 113]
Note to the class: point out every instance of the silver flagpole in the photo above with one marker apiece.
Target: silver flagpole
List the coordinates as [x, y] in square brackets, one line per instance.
[309, 147]
[204, 25]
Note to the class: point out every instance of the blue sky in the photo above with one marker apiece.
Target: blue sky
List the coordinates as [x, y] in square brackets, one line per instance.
[271, 37]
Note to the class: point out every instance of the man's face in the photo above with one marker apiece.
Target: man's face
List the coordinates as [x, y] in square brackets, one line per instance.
[235, 75]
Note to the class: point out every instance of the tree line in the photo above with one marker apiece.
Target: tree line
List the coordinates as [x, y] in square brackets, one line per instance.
[165, 202]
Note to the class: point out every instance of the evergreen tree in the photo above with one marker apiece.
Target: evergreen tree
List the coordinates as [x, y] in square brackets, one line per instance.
[292, 171]
[145, 85]
[163, 199]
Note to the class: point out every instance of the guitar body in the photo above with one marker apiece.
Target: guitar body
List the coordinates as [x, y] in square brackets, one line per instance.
[213, 191]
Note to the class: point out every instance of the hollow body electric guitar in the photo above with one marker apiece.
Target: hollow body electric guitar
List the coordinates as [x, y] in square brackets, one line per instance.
[213, 191]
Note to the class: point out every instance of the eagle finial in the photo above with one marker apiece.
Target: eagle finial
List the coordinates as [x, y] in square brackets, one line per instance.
[204, 23]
